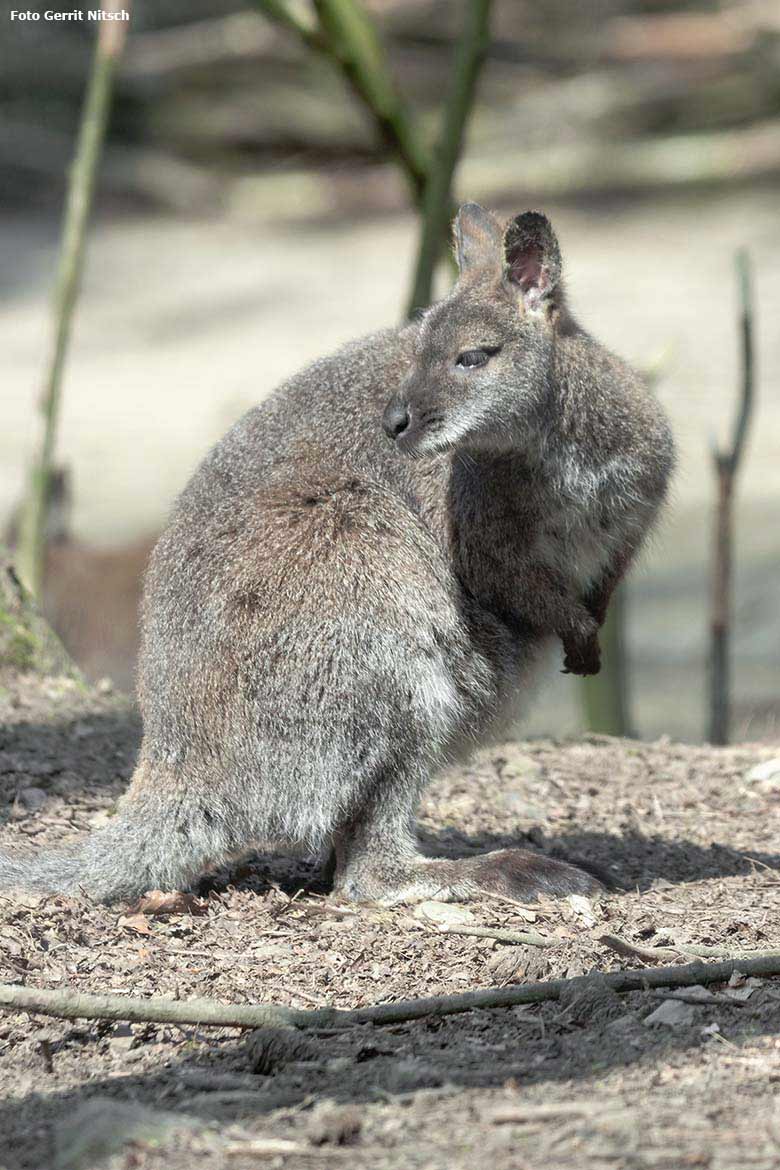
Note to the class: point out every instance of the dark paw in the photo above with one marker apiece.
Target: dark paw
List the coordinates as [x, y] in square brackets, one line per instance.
[582, 658]
[520, 874]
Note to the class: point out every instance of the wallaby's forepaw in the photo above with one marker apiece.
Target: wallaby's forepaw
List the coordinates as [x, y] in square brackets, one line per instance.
[520, 874]
[583, 658]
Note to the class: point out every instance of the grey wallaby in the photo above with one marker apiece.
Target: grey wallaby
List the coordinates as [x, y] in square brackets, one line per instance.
[361, 578]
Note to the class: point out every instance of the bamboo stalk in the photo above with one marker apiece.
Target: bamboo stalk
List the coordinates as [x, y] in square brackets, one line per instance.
[71, 1005]
[726, 464]
[437, 199]
[81, 185]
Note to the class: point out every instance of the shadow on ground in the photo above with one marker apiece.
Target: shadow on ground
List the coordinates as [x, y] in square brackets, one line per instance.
[94, 752]
[590, 1033]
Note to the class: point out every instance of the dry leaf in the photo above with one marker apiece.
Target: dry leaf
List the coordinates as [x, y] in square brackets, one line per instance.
[444, 914]
[159, 903]
[136, 922]
[583, 908]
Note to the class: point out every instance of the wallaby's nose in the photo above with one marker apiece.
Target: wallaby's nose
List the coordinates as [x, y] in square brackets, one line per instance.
[395, 419]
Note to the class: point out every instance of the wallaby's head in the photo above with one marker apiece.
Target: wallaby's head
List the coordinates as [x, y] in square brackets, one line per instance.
[483, 355]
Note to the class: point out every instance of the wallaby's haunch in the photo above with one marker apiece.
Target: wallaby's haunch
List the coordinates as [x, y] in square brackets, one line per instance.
[346, 599]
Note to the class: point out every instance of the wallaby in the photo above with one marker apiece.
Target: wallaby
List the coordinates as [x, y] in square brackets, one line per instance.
[345, 599]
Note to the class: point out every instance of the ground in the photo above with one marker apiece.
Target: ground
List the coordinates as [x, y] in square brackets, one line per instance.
[584, 1083]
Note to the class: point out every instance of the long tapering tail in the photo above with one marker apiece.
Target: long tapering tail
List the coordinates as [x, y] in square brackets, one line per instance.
[145, 847]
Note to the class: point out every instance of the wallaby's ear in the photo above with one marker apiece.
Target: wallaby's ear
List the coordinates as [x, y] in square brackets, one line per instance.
[532, 256]
[477, 236]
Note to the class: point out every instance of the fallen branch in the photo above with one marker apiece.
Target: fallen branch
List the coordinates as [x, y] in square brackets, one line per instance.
[74, 1005]
[510, 937]
[694, 951]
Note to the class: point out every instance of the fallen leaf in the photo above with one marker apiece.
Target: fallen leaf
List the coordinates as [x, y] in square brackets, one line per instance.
[136, 922]
[159, 903]
[583, 908]
[444, 914]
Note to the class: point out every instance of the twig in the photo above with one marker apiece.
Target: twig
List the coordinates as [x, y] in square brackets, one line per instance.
[519, 1114]
[726, 463]
[510, 937]
[437, 199]
[650, 954]
[346, 37]
[81, 185]
[355, 44]
[72, 1005]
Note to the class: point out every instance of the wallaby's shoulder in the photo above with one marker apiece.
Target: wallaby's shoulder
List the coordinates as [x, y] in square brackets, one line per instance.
[329, 407]
[607, 401]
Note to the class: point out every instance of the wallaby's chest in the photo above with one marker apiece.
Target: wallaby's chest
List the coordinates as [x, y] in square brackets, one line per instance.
[509, 525]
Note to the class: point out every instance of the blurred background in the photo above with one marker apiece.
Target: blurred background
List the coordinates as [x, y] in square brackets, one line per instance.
[249, 218]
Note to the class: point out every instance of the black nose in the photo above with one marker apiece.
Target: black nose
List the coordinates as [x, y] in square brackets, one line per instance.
[395, 419]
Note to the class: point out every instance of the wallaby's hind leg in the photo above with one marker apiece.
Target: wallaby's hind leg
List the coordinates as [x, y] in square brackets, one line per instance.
[378, 860]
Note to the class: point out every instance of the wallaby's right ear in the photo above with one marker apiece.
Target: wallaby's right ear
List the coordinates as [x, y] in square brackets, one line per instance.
[477, 237]
[532, 257]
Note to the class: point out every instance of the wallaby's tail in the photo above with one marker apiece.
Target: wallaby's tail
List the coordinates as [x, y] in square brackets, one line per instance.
[145, 847]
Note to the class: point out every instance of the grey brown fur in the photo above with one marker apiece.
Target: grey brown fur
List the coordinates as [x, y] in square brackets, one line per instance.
[345, 600]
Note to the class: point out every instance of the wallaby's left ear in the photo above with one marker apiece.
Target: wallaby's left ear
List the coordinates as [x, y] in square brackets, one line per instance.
[477, 237]
[532, 256]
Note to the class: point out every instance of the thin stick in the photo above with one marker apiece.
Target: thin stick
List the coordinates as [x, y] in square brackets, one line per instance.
[650, 954]
[72, 1005]
[81, 185]
[726, 464]
[437, 200]
[510, 937]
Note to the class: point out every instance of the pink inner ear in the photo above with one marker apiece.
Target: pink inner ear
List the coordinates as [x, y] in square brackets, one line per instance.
[529, 273]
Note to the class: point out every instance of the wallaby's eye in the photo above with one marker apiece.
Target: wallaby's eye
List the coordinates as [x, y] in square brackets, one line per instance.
[470, 358]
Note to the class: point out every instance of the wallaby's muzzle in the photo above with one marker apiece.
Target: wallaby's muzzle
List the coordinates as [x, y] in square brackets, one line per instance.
[396, 419]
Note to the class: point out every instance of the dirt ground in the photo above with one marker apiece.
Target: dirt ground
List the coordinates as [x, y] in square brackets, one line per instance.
[585, 1083]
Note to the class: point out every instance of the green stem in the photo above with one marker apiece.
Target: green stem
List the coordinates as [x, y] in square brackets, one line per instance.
[81, 186]
[348, 39]
[437, 200]
[605, 696]
[355, 45]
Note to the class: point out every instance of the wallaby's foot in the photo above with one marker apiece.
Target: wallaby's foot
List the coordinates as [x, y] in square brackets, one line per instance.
[582, 657]
[515, 873]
